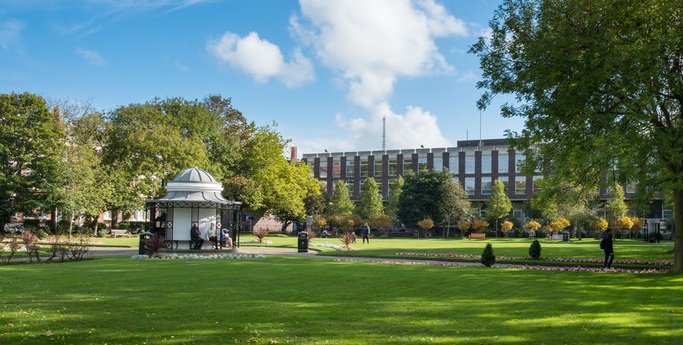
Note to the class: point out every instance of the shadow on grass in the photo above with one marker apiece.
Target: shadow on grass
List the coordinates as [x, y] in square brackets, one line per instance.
[318, 300]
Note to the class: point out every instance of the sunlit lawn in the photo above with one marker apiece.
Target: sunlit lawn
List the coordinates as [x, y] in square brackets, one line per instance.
[585, 248]
[305, 300]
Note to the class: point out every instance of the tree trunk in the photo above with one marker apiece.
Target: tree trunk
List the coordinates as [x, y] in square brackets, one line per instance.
[678, 231]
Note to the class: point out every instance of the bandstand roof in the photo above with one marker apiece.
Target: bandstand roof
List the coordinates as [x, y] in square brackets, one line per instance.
[195, 188]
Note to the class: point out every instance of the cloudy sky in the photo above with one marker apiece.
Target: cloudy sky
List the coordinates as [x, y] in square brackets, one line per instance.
[326, 71]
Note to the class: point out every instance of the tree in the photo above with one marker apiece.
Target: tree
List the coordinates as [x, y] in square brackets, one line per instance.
[574, 202]
[340, 202]
[426, 224]
[532, 225]
[505, 227]
[395, 190]
[616, 207]
[479, 225]
[422, 196]
[455, 205]
[599, 85]
[291, 184]
[369, 202]
[31, 151]
[498, 204]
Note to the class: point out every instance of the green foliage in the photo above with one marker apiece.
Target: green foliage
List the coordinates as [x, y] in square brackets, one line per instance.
[487, 256]
[616, 206]
[422, 197]
[395, 190]
[599, 87]
[340, 200]
[31, 139]
[455, 205]
[369, 202]
[535, 250]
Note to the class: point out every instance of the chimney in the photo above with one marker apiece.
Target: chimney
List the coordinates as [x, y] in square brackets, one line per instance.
[293, 154]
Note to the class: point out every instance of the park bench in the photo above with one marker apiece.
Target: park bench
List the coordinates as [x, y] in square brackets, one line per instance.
[119, 232]
[476, 236]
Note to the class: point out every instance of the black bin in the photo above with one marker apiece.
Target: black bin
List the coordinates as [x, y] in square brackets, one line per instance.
[144, 248]
[303, 242]
[565, 237]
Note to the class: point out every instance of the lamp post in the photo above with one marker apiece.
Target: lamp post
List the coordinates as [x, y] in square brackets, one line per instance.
[646, 234]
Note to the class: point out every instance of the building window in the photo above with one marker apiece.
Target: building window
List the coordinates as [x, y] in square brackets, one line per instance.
[631, 188]
[469, 185]
[421, 163]
[453, 164]
[519, 163]
[520, 185]
[349, 168]
[392, 167]
[378, 167]
[518, 214]
[438, 163]
[323, 169]
[336, 169]
[485, 164]
[469, 164]
[350, 187]
[486, 185]
[364, 168]
[537, 185]
[503, 164]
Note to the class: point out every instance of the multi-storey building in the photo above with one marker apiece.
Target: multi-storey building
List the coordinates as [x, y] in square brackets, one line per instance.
[475, 164]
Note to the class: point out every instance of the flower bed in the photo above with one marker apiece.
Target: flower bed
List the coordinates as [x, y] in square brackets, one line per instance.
[175, 256]
[514, 266]
[667, 263]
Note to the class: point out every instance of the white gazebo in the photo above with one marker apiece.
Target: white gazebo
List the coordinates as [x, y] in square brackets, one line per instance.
[193, 196]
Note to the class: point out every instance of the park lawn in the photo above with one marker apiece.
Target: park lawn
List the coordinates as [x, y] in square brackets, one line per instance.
[312, 300]
[589, 248]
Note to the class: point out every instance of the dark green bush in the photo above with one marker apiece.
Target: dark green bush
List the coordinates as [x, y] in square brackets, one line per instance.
[535, 250]
[487, 257]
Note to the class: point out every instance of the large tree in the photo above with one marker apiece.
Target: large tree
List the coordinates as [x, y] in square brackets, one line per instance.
[600, 84]
[498, 204]
[340, 201]
[422, 196]
[31, 149]
[369, 202]
[455, 206]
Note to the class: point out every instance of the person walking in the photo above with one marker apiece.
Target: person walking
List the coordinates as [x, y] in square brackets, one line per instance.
[607, 245]
[366, 233]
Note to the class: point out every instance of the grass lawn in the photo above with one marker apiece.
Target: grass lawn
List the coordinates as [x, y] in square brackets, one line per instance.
[304, 300]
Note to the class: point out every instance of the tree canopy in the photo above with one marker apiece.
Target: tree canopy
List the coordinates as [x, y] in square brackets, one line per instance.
[600, 86]
[31, 149]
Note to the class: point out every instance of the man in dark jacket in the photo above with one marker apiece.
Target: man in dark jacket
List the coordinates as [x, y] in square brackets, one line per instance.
[196, 240]
[608, 247]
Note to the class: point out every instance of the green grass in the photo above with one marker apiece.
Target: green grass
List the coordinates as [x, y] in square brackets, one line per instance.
[304, 300]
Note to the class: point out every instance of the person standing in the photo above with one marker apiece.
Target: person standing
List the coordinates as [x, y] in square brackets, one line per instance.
[608, 246]
[366, 233]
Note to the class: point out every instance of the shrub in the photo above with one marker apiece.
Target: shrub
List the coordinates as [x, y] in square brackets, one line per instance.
[487, 257]
[155, 244]
[260, 233]
[535, 250]
[102, 232]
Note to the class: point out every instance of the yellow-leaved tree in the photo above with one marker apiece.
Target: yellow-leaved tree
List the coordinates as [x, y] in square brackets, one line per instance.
[480, 225]
[532, 225]
[506, 226]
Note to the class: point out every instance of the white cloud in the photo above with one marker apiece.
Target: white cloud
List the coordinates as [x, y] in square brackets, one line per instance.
[261, 59]
[91, 57]
[372, 44]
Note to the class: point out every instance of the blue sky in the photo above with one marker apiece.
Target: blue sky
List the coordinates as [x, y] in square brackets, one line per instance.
[326, 71]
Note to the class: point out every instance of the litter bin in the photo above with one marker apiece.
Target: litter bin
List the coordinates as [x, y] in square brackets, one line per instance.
[303, 242]
[565, 236]
[143, 248]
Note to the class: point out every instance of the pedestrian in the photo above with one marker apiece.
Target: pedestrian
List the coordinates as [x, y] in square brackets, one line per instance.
[607, 245]
[366, 233]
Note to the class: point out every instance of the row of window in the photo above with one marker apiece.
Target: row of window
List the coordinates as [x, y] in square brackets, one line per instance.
[453, 164]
